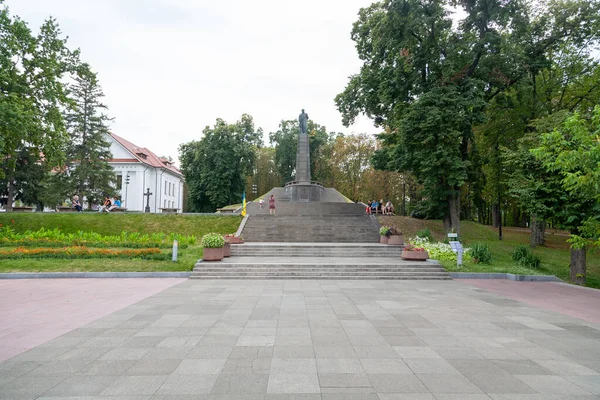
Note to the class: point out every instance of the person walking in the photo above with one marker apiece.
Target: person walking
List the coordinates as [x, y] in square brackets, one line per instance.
[261, 202]
[272, 205]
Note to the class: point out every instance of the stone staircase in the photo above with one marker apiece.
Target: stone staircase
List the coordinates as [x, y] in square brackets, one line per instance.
[317, 261]
[330, 239]
[332, 220]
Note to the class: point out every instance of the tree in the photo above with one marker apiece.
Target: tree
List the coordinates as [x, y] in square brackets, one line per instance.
[216, 166]
[417, 65]
[573, 153]
[285, 141]
[88, 152]
[265, 175]
[32, 93]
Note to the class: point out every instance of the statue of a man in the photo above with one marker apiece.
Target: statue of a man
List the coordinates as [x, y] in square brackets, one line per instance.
[303, 120]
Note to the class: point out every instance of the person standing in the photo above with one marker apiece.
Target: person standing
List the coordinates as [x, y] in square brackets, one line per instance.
[272, 205]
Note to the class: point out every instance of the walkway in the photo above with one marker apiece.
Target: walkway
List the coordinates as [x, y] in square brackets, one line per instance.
[316, 340]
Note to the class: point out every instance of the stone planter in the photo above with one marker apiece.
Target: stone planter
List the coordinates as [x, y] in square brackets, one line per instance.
[383, 239]
[415, 255]
[227, 250]
[234, 240]
[396, 240]
[213, 254]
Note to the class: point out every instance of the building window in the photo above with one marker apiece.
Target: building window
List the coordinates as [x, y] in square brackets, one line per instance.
[164, 204]
[119, 182]
[165, 187]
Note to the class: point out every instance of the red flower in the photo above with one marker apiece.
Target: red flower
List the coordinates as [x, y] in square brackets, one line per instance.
[13, 221]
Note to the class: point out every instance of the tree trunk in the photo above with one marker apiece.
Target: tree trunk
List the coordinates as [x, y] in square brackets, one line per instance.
[578, 266]
[10, 195]
[454, 212]
[495, 215]
[538, 228]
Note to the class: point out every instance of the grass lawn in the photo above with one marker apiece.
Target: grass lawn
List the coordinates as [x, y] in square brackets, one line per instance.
[555, 255]
[186, 260]
[113, 224]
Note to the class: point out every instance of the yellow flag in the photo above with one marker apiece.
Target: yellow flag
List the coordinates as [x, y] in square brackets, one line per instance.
[244, 204]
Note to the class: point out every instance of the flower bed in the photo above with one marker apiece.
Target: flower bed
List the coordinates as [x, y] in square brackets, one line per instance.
[83, 252]
[56, 238]
[437, 251]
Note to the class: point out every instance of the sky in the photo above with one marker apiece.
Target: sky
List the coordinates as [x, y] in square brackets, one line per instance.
[169, 68]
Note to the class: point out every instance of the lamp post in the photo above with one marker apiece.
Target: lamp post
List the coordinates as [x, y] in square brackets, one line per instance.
[126, 186]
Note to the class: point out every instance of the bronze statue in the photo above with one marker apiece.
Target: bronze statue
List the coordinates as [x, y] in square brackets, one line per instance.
[303, 120]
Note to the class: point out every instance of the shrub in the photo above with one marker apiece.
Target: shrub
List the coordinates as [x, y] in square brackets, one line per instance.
[525, 258]
[480, 253]
[75, 252]
[426, 234]
[213, 241]
[437, 251]
[520, 252]
[384, 230]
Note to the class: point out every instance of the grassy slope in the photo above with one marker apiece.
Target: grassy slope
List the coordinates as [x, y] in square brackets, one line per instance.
[113, 224]
[555, 255]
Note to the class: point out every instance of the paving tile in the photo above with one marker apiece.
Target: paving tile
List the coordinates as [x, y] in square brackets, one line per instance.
[406, 352]
[410, 396]
[134, 385]
[241, 384]
[293, 366]
[210, 352]
[384, 366]
[552, 385]
[256, 341]
[339, 365]
[152, 367]
[188, 384]
[338, 380]
[451, 384]
[396, 383]
[562, 367]
[81, 386]
[293, 383]
[29, 387]
[375, 352]
[107, 367]
[430, 366]
[293, 352]
[200, 366]
[500, 383]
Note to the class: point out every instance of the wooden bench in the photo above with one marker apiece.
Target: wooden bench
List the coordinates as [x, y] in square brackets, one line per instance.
[23, 209]
[65, 209]
[169, 210]
[119, 209]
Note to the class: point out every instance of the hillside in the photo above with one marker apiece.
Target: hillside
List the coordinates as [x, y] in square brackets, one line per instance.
[114, 223]
[555, 255]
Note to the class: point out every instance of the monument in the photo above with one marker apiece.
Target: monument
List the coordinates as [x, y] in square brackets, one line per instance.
[302, 188]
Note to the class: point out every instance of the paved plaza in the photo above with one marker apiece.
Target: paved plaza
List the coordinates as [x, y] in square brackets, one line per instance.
[310, 340]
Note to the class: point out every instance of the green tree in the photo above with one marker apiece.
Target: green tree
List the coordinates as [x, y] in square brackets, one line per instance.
[417, 66]
[88, 152]
[573, 153]
[32, 93]
[265, 175]
[216, 166]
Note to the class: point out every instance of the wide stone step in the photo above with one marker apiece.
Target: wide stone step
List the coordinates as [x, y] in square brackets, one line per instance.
[314, 277]
[321, 271]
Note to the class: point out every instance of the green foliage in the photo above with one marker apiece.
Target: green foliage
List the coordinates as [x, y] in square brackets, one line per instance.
[213, 241]
[436, 250]
[216, 166]
[88, 152]
[425, 234]
[521, 251]
[55, 237]
[480, 253]
[525, 258]
[32, 90]
[572, 152]
[384, 230]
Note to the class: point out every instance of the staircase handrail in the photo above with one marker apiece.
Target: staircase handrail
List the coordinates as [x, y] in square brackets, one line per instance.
[293, 183]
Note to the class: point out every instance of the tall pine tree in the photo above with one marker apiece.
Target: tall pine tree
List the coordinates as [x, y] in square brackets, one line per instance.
[89, 174]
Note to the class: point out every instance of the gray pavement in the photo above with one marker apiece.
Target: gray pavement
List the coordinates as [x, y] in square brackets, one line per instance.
[310, 340]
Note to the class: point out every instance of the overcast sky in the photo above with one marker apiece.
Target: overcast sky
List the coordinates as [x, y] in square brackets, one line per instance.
[170, 67]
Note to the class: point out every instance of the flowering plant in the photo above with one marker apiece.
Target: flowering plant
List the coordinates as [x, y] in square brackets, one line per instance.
[437, 251]
[213, 241]
[82, 252]
[384, 231]
[412, 247]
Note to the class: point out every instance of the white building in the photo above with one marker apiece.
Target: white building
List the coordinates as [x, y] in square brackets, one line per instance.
[146, 171]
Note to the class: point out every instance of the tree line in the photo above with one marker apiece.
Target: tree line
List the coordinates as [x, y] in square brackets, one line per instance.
[52, 119]
[492, 113]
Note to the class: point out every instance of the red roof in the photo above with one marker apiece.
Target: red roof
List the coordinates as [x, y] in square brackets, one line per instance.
[146, 156]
